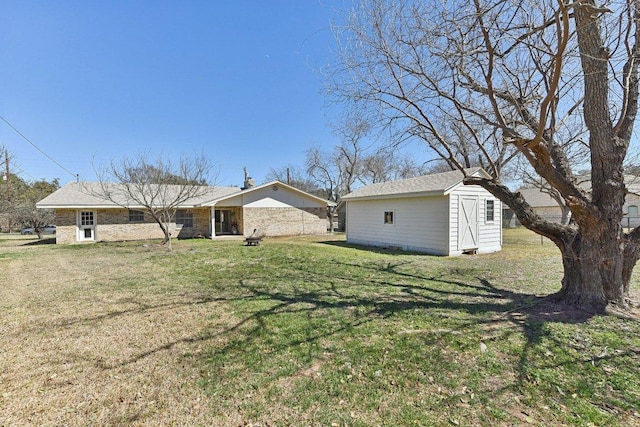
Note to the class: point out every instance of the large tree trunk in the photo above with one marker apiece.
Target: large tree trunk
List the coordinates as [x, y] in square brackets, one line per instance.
[598, 258]
[593, 272]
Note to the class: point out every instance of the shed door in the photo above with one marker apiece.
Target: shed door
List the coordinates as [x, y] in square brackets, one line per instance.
[468, 223]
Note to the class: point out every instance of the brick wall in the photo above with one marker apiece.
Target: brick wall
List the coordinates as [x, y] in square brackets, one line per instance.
[285, 221]
[114, 225]
[65, 226]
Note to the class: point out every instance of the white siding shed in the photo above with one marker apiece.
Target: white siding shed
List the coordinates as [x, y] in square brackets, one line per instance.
[435, 214]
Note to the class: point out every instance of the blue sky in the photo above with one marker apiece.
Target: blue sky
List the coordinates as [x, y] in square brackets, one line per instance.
[91, 81]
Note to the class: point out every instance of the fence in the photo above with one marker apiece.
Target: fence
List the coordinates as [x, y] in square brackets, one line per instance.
[509, 220]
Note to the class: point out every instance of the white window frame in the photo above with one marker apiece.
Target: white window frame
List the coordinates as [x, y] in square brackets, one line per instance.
[83, 224]
[487, 210]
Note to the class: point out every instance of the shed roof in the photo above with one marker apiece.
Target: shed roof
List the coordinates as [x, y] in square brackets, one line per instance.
[426, 185]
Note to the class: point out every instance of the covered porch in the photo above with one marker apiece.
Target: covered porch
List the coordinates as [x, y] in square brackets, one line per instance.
[227, 221]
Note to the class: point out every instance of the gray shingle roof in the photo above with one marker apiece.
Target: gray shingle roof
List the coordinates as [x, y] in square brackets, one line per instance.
[216, 199]
[439, 183]
[538, 199]
[83, 194]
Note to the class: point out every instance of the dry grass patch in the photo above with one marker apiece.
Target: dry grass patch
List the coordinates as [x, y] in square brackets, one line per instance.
[307, 331]
[93, 336]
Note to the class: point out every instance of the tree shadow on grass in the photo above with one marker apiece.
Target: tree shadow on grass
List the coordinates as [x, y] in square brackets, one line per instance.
[292, 314]
[474, 305]
[392, 295]
[39, 242]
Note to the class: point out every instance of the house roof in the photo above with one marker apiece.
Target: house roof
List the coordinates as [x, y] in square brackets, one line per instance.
[426, 185]
[538, 199]
[84, 195]
[220, 198]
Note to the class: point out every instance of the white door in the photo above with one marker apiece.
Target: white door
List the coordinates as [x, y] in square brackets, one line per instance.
[468, 223]
[86, 226]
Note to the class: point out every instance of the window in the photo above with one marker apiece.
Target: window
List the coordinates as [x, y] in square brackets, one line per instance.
[136, 216]
[388, 217]
[489, 211]
[632, 219]
[184, 217]
[86, 218]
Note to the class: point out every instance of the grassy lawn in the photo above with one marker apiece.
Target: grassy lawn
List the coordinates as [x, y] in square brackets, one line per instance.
[304, 331]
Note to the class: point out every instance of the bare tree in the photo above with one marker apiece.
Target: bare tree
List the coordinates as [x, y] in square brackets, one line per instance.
[25, 209]
[387, 164]
[518, 77]
[295, 177]
[322, 169]
[357, 159]
[338, 169]
[160, 186]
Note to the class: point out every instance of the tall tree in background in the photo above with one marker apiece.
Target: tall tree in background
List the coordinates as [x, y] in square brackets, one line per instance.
[295, 177]
[356, 160]
[519, 77]
[158, 185]
[12, 191]
[388, 164]
[24, 207]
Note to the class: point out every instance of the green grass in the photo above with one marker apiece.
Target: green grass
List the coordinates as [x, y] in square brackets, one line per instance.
[317, 332]
[331, 334]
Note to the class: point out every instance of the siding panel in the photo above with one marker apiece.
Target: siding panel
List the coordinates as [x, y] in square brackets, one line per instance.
[489, 233]
[424, 224]
[420, 224]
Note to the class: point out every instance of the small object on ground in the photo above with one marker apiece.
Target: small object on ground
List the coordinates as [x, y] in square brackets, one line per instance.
[254, 239]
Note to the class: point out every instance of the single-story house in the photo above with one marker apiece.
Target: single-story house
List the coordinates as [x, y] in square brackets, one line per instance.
[341, 215]
[545, 206]
[435, 214]
[541, 203]
[275, 209]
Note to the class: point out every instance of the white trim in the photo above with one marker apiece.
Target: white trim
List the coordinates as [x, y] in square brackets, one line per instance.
[486, 210]
[468, 224]
[81, 230]
[268, 184]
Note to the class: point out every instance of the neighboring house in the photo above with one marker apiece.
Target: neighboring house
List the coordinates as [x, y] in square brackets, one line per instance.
[341, 214]
[275, 209]
[545, 206]
[435, 214]
[541, 203]
[631, 202]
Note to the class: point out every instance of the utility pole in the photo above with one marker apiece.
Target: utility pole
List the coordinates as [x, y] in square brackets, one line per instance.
[7, 177]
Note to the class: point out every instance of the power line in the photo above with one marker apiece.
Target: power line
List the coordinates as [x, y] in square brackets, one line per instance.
[38, 148]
